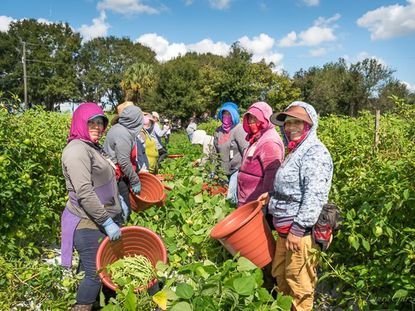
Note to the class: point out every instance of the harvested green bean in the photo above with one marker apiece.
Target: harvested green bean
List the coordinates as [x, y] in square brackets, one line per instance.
[136, 271]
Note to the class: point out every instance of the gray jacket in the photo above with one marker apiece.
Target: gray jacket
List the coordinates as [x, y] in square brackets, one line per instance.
[230, 147]
[304, 178]
[90, 181]
[121, 139]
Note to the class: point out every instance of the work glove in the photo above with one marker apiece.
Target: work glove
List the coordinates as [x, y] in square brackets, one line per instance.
[125, 209]
[112, 229]
[136, 188]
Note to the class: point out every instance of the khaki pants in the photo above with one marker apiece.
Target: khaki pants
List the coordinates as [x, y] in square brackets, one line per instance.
[296, 272]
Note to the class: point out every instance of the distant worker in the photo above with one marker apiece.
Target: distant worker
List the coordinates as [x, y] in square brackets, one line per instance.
[158, 134]
[230, 143]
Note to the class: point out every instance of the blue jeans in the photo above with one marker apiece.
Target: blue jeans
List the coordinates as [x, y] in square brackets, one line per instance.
[86, 242]
[232, 195]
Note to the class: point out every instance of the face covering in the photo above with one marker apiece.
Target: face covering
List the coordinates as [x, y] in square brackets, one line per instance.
[255, 127]
[227, 123]
[292, 144]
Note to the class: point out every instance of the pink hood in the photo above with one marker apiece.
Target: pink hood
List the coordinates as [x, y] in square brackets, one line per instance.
[262, 111]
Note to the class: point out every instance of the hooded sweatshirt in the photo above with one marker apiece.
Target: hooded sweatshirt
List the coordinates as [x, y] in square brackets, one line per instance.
[302, 183]
[122, 138]
[89, 176]
[230, 146]
[261, 159]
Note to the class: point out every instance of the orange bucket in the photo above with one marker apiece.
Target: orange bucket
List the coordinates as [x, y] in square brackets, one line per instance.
[175, 156]
[215, 189]
[246, 231]
[152, 193]
[134, 240]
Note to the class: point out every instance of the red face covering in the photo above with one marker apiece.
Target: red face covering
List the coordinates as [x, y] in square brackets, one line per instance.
[255, 127]
[292, 144]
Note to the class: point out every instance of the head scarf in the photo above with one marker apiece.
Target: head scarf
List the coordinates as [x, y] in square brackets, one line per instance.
[81, 116]
[233, 109]
[262, 111]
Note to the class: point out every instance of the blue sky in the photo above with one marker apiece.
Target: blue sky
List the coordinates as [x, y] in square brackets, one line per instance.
[291, 34]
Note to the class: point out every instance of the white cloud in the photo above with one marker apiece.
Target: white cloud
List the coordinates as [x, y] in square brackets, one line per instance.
[312, 2]
[126, 6]
[208, 46]
[411, 87]
[322, 31]
[5, 23]
[363, 55]
[257, 45]
[99, 28]
[219, 4]
[289, 40]
[389, 21]
[6, 20]
[318, 52]
[163, 49]
[261, 47]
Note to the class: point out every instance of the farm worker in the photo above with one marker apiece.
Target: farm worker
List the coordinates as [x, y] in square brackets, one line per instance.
[201, 138]
[191, 128]
[301, 188]
[121, 145]
[150, 143]
[167, 128]
[230, 143]
[93, 208]
[158, 134]
[263, 156]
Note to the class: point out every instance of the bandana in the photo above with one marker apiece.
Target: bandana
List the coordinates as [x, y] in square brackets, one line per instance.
[294, 143]
[227, 123]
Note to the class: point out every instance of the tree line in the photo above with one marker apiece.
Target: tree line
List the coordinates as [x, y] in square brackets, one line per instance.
[60, 67]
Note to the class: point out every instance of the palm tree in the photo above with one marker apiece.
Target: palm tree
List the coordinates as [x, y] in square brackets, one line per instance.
[137, 81]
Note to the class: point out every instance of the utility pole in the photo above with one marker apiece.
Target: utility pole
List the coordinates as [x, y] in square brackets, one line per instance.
[24, 75]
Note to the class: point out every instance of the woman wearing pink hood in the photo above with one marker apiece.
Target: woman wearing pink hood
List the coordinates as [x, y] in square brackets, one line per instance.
[263, 156]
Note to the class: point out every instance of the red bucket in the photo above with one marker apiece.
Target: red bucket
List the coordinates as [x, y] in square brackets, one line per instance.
[245, 230]
[152, 193]
[134, 240]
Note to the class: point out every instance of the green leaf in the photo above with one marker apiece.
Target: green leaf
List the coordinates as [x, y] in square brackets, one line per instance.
[199, 198]
[366, 245]
[244, 264]
[181, 306]
[400, 293]
[131, 300]
[244, 285]
[406, 194]
[184, 291]
[284, 302]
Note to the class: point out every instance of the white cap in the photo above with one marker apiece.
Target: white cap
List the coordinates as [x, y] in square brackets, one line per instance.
[155, 115]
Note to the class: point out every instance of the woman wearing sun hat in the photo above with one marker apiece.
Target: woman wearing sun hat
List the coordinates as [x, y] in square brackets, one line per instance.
[301, 188]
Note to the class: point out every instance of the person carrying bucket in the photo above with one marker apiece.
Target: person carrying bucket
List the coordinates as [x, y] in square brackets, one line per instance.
[229, 141]
[121, 140]
[300, 191]
[93, 209]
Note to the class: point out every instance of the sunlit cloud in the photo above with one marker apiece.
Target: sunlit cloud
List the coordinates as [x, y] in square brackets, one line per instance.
[389, 21]
[99, 28]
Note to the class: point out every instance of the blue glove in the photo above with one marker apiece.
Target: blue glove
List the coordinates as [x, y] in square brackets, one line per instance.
[112, 229]
[125, 209]
[136, 188]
